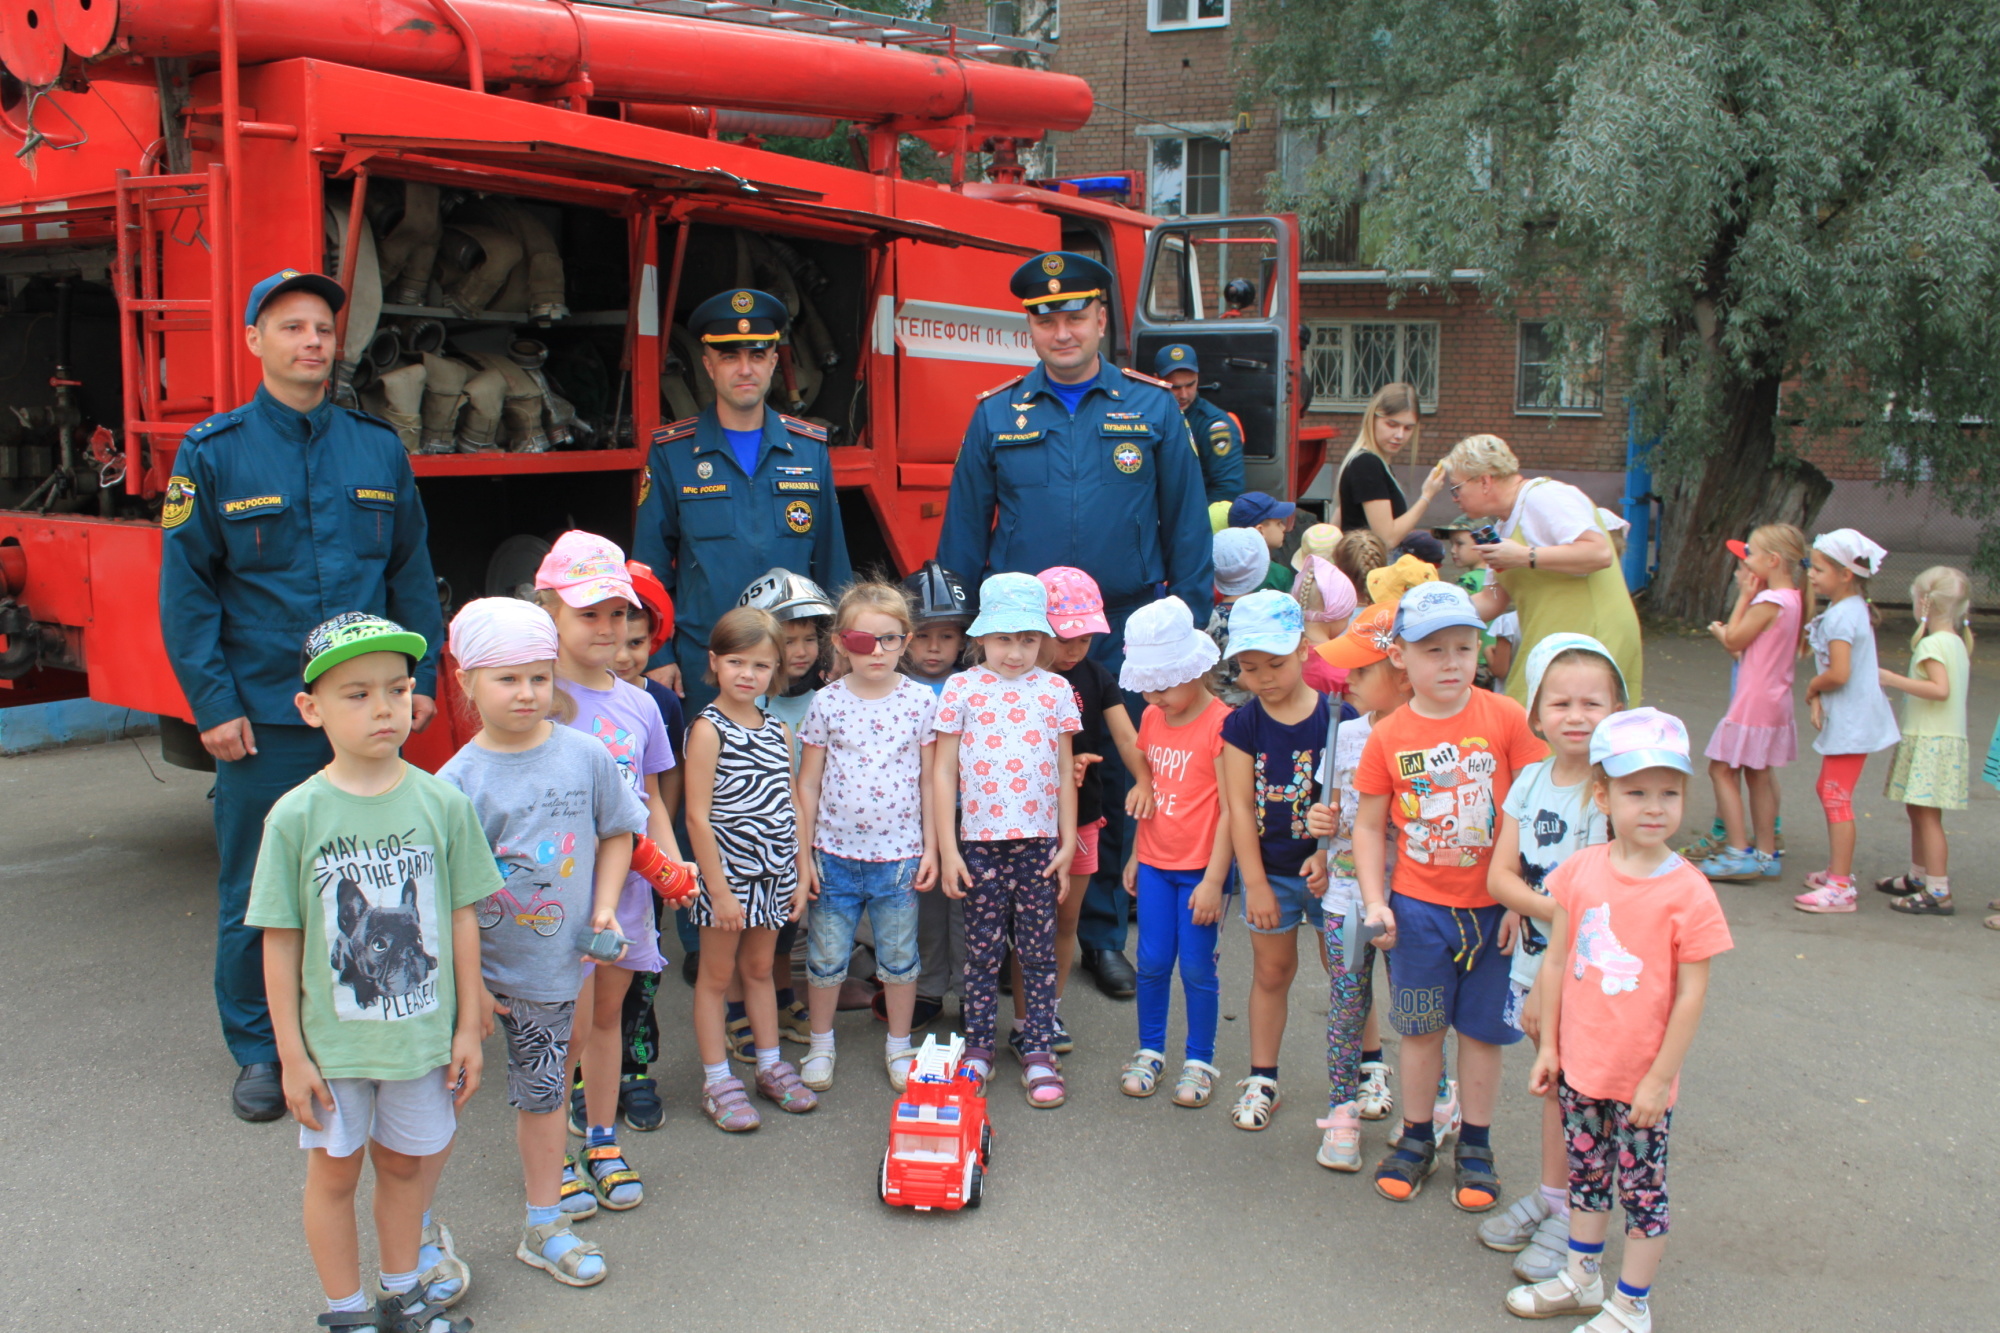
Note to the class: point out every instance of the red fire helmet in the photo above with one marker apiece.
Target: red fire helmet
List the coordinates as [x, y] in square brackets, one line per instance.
[659, 605]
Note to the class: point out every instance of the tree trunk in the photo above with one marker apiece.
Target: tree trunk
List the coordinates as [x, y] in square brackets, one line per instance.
[1741, 485]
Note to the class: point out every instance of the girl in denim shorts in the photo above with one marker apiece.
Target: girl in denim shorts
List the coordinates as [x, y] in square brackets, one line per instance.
[866, 844]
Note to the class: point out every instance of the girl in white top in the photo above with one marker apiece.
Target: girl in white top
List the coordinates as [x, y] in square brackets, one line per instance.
[865, 844]
[1573, 684]
[1929, 777]
[1846, 699]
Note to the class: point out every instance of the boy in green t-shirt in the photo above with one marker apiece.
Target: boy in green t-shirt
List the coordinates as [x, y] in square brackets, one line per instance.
[365, 891]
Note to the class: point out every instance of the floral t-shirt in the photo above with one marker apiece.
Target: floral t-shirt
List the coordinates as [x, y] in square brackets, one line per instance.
[1008, 731]
[871, 794]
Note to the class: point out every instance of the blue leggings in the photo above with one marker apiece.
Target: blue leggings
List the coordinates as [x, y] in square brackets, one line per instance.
[1167, 932]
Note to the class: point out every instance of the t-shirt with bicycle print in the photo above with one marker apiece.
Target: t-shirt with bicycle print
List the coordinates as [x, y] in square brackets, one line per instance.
[543, 810]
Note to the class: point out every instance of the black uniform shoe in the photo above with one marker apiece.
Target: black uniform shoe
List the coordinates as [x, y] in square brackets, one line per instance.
[1113, 971]
[259, 1094]
[691, 966]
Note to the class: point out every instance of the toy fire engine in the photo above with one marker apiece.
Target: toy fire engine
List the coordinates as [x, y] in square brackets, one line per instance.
[939, 1139]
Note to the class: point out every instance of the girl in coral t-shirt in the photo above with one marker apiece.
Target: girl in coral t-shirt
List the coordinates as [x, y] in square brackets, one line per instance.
[1623, 983]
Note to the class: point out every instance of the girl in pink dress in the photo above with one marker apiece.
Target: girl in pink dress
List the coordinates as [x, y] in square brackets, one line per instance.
[1757, 735]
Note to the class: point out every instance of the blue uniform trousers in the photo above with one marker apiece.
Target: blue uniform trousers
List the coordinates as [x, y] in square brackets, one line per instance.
[245, 791]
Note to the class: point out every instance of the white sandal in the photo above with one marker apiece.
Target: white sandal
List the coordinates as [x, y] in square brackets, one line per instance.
[816, 1070]
[899, 1063]
[1256, 1104]
[563, 1267]
[1196, 1084]
[1141, 1076]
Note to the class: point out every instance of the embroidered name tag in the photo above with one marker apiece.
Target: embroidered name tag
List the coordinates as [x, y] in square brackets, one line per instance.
[248, 503]
[701, 492]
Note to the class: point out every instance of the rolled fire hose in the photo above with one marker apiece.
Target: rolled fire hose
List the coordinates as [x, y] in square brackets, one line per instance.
[403, 392]
[521, 413]
[444, 394]
[485, 394]
[557, 415]
[544, 266]
[423, 335]
[680, 400]
[487, 255]
[384, 350]
[364, 301]
[409, 251]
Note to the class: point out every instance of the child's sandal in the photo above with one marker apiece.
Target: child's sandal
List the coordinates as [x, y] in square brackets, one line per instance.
[1924, 903]
[1039, 1075]
[351, 1319]
[573, 1187]
[1196, 1084]
[1396, 1169]
[409, 1312]
[1472, 1177]
[1897, 885]
[603, 1183]
[742, 1043]
[563, 1268]
[727, 1105]
[1257, 1103]
[1141, 1076]
[977, 1065]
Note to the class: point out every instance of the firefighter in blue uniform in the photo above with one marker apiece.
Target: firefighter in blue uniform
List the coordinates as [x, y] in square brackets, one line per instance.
[1217, 438]
[736, 491]
[280, 514]
[1080, 463]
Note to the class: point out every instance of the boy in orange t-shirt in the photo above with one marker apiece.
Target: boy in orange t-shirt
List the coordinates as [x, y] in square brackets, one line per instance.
[1178, 869]
[1437, 769]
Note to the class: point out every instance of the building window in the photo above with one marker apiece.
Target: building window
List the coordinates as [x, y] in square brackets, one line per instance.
[1188, 177]
[1553, 378]
[1351, 359]
[1171, 15]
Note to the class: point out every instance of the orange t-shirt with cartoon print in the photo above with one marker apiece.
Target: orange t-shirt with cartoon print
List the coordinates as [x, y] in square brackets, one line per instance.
[1445, 779]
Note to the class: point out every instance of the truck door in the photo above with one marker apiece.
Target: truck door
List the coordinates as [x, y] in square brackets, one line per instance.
[1247, 347]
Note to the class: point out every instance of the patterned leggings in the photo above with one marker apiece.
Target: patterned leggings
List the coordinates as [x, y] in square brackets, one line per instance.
[1598, 1131]
[1353, 995]
[1010, 898]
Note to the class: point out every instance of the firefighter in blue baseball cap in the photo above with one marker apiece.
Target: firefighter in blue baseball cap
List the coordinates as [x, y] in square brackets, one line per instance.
[1080, 463]
[737, 490]
[1217, 436]
[280, 514]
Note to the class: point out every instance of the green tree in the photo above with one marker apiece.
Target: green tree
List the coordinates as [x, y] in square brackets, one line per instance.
[1765, 195]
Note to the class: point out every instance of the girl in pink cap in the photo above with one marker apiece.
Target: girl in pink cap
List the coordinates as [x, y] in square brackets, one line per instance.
[1076, 612]
[584, 585]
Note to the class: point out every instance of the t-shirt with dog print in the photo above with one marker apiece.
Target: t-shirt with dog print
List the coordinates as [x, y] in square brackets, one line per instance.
[372, 882]
[1626, 941]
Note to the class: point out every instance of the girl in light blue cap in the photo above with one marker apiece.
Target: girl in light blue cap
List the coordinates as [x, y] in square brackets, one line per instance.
[1002, 775]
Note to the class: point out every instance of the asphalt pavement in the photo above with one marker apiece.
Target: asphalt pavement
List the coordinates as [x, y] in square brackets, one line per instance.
[1833, 1164]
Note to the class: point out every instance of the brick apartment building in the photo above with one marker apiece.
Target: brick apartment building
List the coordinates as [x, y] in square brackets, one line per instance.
[1169, 111]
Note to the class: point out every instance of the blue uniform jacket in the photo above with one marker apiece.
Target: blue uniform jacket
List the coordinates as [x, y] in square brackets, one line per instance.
[1220, 445]
[709, 531]
[1115, 490]
[275, 521]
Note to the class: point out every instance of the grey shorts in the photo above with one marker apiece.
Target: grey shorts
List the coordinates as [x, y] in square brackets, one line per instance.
[537, 1051]
[412, 1116]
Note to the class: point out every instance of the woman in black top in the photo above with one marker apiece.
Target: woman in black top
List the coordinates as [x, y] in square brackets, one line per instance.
[1367, 492]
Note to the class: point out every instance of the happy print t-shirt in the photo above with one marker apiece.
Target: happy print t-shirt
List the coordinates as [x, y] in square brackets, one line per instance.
[1180, 834]
[1008, 731]
[1445, 778]
[1627, 940]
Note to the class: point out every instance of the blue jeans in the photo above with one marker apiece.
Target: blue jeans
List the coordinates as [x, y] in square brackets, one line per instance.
[245, 791]
[1167, 933]
[848, 888]
[1297, 906]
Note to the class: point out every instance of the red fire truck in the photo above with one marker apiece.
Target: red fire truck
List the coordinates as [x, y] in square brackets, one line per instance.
[523, 199]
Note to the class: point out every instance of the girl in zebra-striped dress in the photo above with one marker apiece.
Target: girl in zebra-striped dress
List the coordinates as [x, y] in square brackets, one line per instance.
[743, 830]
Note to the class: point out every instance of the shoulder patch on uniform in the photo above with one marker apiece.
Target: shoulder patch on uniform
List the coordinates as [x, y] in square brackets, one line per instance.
[799, 426]
[179, 502]
[676, 430]
[215, 425]
[1142, 377]
[998, 387]
[371, 419]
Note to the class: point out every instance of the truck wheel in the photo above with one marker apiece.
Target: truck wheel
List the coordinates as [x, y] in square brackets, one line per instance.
[975, 1189]
[882, 1182]
[986, 1144]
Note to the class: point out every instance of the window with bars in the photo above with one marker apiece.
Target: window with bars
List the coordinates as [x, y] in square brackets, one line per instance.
[1550, 377]
[1350, 359]
[1188, 177]
[1168, 15]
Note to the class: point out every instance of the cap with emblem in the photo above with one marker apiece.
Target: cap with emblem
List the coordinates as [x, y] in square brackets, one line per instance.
[349, 635]
[1172, 357]
[1060, 280]
[291, 280]
[740, 317]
